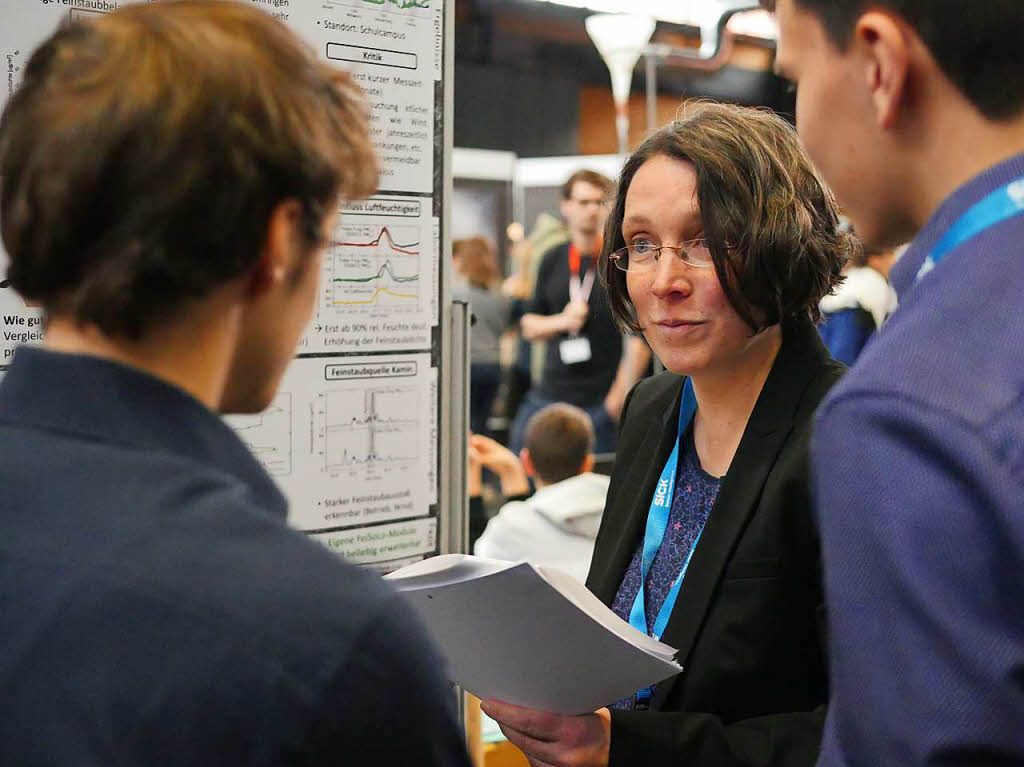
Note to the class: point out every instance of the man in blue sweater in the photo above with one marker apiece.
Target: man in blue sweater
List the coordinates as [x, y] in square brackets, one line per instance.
[914, 112]
[170, 173]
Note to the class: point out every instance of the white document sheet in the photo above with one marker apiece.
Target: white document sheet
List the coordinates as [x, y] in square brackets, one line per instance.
[529, 635]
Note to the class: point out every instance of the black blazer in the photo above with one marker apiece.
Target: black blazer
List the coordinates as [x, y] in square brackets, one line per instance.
[749, 621]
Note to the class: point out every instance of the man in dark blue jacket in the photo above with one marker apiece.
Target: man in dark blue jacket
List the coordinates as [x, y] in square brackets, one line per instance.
[914, 112]
[170, 173]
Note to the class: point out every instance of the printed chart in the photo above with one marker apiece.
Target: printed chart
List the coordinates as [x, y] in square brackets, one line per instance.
[375, 266]
[370, 431]
[379, 289]
[350, 441]
[404, 7]
[269, 434]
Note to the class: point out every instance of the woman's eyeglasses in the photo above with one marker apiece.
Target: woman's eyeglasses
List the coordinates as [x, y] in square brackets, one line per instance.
[641, 255]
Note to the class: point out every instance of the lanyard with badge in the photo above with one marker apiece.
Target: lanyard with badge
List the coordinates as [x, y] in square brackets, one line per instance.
[657, 523]
[576, 348]
[1002, 204]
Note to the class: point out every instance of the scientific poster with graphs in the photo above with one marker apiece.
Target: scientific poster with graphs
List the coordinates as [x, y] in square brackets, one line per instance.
[352, 437]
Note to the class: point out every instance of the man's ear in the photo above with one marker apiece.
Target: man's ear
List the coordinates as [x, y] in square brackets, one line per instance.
[588, 464]
[527, 461]
[885, 46]
[280, 248]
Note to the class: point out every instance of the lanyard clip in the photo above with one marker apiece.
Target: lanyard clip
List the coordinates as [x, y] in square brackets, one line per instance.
[642, 699]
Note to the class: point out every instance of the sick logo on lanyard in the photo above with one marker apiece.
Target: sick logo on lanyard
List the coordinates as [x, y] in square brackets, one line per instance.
[661, 493]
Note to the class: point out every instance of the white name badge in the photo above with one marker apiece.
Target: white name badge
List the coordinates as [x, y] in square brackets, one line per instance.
[574, 350]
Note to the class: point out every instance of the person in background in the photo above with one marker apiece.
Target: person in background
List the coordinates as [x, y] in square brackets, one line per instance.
[171, 173]
[558, 524]
[913, 110]
[859, 306]
[588, 363]
[477, 267]
[720, 245]
[548, 232]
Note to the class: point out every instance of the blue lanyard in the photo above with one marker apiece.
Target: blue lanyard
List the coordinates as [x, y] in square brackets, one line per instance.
[1002, 204]
[657, 522]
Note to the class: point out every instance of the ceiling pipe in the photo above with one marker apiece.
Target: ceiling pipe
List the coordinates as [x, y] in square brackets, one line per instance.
[717, 43]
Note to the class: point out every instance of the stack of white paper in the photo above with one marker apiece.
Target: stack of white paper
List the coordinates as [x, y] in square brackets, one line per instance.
[529, 635]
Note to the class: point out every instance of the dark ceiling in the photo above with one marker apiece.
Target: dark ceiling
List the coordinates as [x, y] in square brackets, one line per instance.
[518, 59]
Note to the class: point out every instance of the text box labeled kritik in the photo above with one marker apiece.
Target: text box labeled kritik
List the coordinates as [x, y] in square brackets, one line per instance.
[362, 55]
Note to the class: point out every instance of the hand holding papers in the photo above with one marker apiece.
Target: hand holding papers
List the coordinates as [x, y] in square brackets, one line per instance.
[531, 636]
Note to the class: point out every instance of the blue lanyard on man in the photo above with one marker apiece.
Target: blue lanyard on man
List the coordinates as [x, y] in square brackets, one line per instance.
[1002, 204]
[657, 522]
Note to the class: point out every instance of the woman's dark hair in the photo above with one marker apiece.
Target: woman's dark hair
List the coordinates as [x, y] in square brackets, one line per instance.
[771, 224]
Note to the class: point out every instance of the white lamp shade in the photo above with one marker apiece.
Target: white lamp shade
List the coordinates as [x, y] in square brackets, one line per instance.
[620, 39]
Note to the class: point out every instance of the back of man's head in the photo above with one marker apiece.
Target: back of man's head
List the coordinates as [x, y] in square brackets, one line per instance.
[975, 44]
[559, 439]
[145, 150]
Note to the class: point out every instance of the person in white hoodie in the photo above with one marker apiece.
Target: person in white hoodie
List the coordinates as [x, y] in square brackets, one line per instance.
[557, 525]
[860, 305]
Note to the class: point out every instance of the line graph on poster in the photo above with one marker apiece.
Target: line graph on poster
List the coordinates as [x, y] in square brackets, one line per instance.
[373, 269]
[268, 435]
[364, 439]
[370, 432]
[379, 280]
[390, 7]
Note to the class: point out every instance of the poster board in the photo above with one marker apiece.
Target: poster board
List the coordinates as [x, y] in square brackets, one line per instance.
[354, 436]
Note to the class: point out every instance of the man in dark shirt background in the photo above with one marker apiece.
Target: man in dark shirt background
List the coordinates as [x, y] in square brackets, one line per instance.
[170, 173]
[588, 362]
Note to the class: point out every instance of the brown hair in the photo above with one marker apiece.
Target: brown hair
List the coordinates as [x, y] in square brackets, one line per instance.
[977, 45]
[591, 177]
[145, 150]
[477, 261]
[771, 224]
[559, 438]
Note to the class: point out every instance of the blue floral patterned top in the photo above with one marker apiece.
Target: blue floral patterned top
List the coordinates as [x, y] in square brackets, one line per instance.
[694, 495]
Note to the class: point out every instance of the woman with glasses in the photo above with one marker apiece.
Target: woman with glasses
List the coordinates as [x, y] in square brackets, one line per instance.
[721, 243]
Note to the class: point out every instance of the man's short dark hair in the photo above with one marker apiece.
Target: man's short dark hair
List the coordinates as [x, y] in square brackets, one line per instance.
[559, 438]
[976, 44]
[143, 153]
[770, 222]
[591, 177]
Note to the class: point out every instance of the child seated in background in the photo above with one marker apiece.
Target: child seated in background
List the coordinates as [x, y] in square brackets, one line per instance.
[557, 525]
[858, 307]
